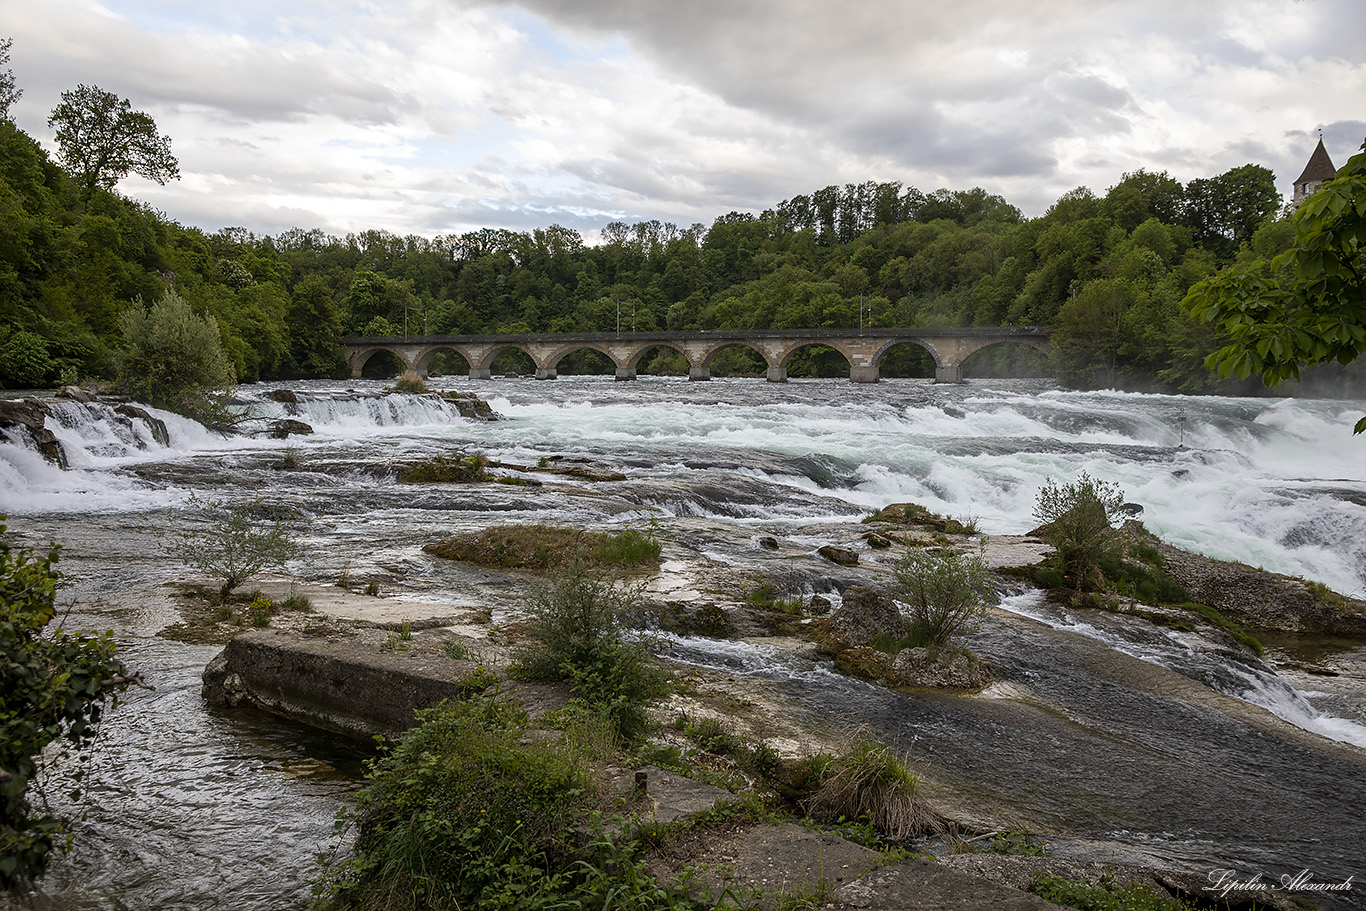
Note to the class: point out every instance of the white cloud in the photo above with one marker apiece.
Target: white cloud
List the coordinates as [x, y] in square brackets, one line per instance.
[435, 116]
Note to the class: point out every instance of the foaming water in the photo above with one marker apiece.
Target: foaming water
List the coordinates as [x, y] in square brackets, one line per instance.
[1234, 675]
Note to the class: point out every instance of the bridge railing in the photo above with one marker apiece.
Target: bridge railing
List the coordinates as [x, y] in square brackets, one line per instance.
[685, 335]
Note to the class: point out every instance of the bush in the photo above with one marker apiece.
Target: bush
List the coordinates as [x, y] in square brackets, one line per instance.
[579, 625]
[944, 592]
[238, 543]
[468, 812]
[1079, 520]
[24, 360]
[54, 686]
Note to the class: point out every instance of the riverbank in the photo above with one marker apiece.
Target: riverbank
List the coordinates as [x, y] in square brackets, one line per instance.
[375, 660]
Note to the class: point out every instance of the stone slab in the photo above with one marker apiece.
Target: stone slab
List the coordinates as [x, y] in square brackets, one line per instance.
[920, 885]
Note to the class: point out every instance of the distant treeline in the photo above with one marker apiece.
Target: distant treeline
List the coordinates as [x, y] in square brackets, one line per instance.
[1108, 272]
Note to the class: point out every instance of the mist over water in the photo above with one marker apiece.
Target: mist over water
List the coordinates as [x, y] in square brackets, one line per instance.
[1274, 483]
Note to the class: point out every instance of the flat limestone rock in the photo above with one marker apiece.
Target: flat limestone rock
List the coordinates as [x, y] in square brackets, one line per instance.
[920, 885]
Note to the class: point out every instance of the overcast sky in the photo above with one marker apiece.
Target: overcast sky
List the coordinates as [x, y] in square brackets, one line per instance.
[442, 116]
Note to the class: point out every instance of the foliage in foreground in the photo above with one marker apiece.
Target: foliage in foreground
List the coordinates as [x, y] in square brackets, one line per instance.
[54, 686]
[944, 593]
[466, 812]
[580, 631]
[1304, 306]
[238, 543]
[1079, 520]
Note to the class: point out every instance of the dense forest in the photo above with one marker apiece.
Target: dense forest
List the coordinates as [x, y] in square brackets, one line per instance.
[1107, 272]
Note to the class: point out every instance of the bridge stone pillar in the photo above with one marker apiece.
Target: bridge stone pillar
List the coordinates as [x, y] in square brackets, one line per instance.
[626, 373]
[699, 373]
[863, 374]
[481, 373]
[777, 374]
[949, 373]
[546, 373]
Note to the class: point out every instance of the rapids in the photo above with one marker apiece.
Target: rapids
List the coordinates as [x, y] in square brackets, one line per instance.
[1118, 743]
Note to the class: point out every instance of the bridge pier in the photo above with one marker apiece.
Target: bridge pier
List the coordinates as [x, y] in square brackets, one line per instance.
[952, 373]
[699, 373]
[626, 374]
[863, 374]
[777, 374]
[546, 373]
[481, 373]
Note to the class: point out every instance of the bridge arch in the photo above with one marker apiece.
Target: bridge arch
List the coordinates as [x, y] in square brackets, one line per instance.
[551, 358]
[361, 358]
[908, 357]
[814, 358]
[706, 358]
[432, 352]
[1008, 357]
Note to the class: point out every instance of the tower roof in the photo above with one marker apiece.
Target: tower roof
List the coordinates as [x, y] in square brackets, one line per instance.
[1320, 166]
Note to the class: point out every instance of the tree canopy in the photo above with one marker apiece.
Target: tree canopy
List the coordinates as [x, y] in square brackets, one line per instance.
[9, 91]
[1304, 306]
[102, 139]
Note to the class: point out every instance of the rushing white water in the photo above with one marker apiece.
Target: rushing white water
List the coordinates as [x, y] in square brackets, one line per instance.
[1193, 656]
[1274, 483]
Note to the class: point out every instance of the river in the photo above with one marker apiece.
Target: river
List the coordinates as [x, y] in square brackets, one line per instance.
[1117, 739]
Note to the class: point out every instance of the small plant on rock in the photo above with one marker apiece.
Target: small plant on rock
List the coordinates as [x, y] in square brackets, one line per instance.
[410, 382]
[239, 542]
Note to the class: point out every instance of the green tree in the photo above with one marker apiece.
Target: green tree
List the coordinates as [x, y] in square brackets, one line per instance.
[53, 686]
[9, 92]
[173, 357]
[1305, 306]
[24, 360]
[944, 593]
[315, 328]
[102, 139]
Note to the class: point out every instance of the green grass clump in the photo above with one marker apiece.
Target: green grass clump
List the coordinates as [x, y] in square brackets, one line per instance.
[545, 546]
[469, 469]
[871, 781]
[410, 382]
[1229, 626]
[1106, 895]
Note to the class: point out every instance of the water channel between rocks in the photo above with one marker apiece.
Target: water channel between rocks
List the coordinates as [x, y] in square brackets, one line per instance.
[1113, 743]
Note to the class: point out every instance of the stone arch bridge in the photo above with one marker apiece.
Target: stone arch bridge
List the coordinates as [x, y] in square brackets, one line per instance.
[863, 349]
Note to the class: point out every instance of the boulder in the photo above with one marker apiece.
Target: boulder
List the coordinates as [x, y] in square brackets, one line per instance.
[841, 555]
[877, 541]
[768, 542]
[864, 614]
[76, 394]
[282, 428]
[1259, 599]
[285, 396]
[157, 425]
[818, 606]
[31, 416]
[943, 669]
[471, 406]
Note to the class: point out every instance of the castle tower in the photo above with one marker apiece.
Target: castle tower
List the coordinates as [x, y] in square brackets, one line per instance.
[1316, 172]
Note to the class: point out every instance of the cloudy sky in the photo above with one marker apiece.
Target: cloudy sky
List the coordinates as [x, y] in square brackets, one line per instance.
[441, 116]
